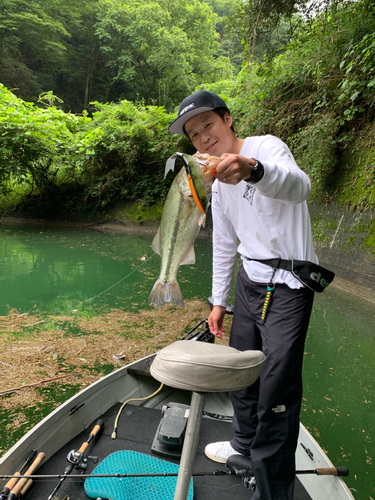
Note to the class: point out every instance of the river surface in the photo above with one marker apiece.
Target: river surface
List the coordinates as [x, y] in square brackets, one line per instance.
[57, 271]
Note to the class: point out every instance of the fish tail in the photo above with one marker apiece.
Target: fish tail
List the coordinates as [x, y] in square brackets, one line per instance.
[165, 292]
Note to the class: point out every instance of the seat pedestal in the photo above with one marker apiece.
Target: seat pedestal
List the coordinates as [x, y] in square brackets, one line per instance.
[190, 445]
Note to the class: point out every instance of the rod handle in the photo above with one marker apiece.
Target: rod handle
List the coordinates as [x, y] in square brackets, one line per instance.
[93, 434]
[10, 484]
[333, 471]
[28, 484]
[22, 482]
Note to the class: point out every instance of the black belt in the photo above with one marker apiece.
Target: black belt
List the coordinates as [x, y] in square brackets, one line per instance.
[275, 263]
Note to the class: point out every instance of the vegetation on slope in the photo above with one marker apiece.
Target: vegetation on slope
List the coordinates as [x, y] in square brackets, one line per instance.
[308, 78]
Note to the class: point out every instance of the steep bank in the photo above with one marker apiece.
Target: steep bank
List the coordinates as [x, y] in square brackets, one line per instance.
[344, 243]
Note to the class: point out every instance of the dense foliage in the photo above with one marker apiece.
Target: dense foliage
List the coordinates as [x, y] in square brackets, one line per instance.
[108, 50]
[318, 95]
[308, 77]
[74, 163]
[35, 143]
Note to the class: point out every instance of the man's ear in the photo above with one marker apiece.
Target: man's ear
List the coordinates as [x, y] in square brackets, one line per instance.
[228, 119]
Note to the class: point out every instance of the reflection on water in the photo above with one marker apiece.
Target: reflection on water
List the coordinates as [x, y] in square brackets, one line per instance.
[57, 271]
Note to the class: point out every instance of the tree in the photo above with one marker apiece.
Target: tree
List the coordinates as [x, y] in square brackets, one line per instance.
[32, 45]
[81, 79]
[107, 50]
[271, 23]
[230, 35]
[158, 50]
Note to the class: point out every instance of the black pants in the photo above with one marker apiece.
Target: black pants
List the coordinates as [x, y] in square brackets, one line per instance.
[266, 414]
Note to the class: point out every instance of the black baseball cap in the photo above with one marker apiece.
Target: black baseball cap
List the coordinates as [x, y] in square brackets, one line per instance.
[199, 102]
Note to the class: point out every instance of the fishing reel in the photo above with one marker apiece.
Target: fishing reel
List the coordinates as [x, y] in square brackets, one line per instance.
[79, 461]
[249, 483]
[239, 465]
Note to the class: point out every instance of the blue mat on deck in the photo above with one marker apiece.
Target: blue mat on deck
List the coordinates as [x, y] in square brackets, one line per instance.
[134, 488]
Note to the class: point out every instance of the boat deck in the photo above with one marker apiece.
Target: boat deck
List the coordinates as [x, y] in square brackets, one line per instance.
[136, 431]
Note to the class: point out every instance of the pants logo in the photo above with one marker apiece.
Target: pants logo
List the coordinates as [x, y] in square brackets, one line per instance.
[279, 409]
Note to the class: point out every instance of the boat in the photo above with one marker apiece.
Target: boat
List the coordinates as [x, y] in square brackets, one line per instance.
[72, 443]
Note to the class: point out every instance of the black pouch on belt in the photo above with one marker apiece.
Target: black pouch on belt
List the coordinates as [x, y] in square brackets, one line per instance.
[311, 275]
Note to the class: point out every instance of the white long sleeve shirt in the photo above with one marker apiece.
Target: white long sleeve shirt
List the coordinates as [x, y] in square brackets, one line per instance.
[269, 219]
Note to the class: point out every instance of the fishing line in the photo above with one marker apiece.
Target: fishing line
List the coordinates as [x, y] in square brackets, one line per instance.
[122, 279]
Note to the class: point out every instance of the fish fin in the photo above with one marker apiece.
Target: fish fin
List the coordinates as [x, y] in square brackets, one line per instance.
[171, 163]
[202, 220]
[156, 243]
[190, 257]
[165, 292]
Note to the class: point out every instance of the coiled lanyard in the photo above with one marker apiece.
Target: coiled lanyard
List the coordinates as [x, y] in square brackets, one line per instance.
[267, 301]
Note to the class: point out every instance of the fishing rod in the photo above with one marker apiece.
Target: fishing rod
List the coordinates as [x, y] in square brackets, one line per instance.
[23, 482]
[240, 465]
[328, 471]
[10, 484]
[77, 458]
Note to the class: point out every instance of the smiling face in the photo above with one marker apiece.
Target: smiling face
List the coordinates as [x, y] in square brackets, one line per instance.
[210, 134]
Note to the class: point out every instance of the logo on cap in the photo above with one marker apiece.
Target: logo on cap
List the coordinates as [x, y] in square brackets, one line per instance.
[186, 108]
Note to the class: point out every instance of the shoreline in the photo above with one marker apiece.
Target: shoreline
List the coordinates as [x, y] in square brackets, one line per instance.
[100, 224]
[105, 226]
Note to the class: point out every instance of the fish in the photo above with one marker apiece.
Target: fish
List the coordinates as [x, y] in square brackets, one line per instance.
[181, 221]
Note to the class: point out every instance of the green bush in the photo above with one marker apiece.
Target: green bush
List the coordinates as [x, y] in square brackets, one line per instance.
[315, 147]
[35, 142]
[73, 162]
[318, 96]
[121, 154]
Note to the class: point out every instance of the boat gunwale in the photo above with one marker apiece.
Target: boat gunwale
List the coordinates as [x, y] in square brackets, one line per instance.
[15, 455]
[63, 413]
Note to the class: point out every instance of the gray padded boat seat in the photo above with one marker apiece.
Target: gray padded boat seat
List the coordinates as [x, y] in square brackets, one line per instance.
[204, 367]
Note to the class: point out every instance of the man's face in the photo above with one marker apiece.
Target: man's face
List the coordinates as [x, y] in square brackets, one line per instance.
[210, 134]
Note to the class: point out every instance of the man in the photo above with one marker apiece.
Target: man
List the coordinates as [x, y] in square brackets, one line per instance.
[258, 199]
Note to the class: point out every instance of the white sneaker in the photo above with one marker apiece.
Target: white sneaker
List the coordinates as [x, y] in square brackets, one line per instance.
[220, 452]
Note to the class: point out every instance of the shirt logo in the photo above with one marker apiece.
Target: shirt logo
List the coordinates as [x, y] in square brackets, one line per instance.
[249, 193]
[186, 108]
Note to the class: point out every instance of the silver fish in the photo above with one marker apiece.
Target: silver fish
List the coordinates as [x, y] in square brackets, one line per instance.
[179, 227]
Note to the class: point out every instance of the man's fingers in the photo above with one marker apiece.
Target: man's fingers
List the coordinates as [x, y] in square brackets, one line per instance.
[215, 328]
[222, 167]
[215, 321]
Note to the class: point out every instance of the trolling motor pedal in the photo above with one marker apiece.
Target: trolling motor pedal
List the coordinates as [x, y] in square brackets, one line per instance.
[170, 433]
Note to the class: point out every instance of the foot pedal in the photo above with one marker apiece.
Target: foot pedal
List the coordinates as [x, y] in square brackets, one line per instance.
[170, 433]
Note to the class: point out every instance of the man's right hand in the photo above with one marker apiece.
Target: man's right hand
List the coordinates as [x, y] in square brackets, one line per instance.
[215, 321]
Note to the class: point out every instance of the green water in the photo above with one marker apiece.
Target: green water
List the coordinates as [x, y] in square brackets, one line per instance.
[339, 385]
[57, 271]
